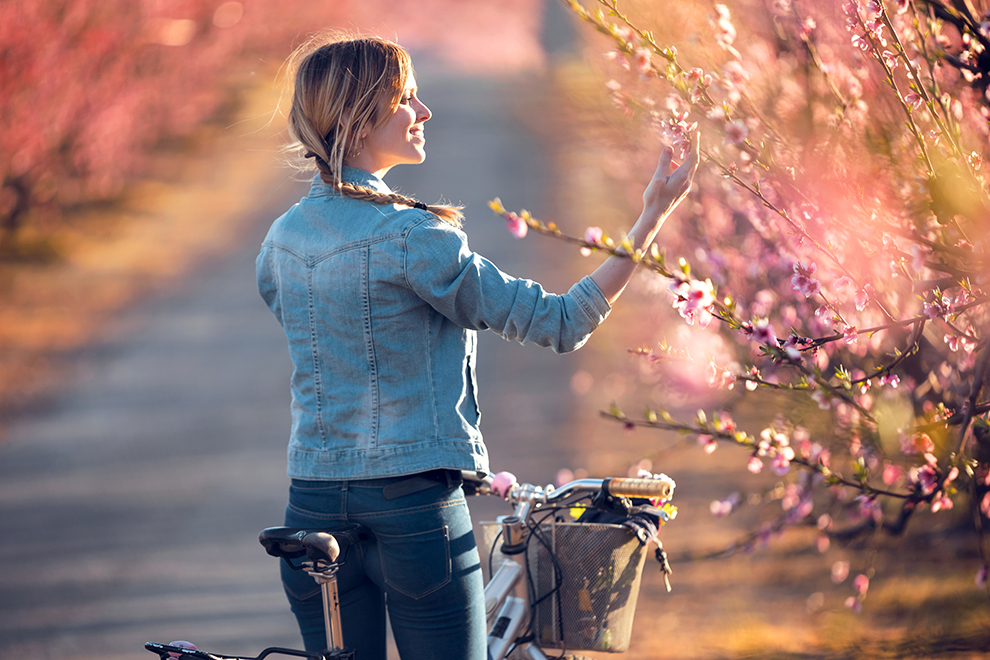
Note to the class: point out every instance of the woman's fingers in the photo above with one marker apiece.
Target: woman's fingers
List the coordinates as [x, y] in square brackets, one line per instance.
[663, 166]
[668, 187]
[685, 171]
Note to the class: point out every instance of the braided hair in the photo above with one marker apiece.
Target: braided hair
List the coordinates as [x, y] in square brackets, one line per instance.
[340, 85]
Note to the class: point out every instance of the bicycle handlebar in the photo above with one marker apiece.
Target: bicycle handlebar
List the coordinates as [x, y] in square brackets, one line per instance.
[650, 488]
[504, 484]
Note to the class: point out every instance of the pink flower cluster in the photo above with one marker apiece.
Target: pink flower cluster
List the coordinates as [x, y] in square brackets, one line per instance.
[694, 300]
[725, 31]
[773, 445]
[803, 282]
[594, 236]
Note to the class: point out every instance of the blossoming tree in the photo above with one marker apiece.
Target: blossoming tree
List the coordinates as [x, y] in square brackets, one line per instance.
[838, 253]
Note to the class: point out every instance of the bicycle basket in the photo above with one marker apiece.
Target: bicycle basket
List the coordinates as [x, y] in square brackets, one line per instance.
[600, 570]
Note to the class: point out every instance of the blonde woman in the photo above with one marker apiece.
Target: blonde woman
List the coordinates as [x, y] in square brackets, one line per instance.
[380, 299]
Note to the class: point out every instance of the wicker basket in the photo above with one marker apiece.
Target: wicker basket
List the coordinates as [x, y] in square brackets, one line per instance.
[600, 570]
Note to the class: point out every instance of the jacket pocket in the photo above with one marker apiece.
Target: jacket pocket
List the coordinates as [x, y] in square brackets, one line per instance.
[417, 564]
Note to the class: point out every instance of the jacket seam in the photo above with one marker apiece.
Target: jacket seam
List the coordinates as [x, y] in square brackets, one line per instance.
[356, 245]
[285, 248]
[314, 348]
[370, 342]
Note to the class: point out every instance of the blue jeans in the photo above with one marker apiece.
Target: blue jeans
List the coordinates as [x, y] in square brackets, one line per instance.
[423, 567]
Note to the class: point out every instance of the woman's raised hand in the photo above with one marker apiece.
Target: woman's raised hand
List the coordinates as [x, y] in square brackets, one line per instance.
[668, 188]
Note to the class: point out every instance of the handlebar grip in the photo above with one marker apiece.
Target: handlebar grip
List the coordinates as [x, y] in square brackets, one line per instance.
[627, 487]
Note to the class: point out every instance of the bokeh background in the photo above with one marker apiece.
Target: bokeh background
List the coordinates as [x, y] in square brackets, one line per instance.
[143, 384]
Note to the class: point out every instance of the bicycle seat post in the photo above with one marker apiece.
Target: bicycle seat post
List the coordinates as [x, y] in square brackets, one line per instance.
[326, 577]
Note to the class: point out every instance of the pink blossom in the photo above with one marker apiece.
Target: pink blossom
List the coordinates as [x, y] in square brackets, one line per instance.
[694, 300]
[953, 473]
[735, 74]
[823, 544]
[626, 33]
[902, 6]
[803, 281]
[869, 507]
[981, 576]
[855, 604]
[924, 479]
[890, 59]
[763, 332]
[592, 235]
[792, 497]
[861, 43]
[840, 571]
[940, 503]
[875, 28]
[642, 59]
[985, 505]
[873, 6]
[725, 31]
[862, 297]
[808, 27]
[850, 334]
[736, 132]
[843, 283]
[861, 583]
[918, 443]
[952, 341]
[913, 99]
[890, 379]
[516, 225]
[720, 378]
[891, 473]
[695, 75]
[933, 310]
[755, 465]
[955, 342]
[708, 442]
[720, 508]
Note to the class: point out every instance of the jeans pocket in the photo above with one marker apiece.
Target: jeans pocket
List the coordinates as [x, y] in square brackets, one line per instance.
[417, 564]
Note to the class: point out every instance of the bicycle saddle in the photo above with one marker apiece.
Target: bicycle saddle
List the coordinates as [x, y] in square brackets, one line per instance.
[315, 544]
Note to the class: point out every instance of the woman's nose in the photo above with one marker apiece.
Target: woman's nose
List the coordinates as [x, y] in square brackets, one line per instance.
[422, 112]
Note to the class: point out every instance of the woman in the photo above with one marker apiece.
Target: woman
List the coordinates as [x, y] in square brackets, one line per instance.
[380, 299]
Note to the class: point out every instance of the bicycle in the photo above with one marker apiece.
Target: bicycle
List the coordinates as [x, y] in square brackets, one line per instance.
[575, 588]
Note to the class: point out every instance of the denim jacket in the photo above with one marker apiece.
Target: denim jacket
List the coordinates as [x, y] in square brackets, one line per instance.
[380, 306]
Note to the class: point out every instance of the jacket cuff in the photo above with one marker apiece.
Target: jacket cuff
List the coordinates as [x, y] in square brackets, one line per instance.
[591, 299]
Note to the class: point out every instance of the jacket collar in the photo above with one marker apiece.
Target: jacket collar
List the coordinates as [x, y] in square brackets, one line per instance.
[349, 175]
